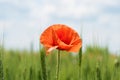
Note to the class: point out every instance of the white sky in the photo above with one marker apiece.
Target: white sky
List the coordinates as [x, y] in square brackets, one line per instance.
[24, 20]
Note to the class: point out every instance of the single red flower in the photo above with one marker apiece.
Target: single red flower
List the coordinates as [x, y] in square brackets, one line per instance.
[62, 37]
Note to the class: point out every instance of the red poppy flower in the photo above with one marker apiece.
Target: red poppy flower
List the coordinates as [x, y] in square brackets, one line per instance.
[61, 37]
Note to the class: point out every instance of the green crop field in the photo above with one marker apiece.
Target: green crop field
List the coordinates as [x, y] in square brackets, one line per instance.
[97, 63]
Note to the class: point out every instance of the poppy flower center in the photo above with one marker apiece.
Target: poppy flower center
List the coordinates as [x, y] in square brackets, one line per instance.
[63, 36]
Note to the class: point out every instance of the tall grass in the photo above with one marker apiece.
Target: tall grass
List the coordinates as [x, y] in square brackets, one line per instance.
[43, 64]
[80, 63]
[1, 58]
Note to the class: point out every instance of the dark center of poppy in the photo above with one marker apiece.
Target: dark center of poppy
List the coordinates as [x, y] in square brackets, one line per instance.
[63, 36]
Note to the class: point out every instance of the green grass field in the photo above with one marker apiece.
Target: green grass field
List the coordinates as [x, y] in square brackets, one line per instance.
[97, 64]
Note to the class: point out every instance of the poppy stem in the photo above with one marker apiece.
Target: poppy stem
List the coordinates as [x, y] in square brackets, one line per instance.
[58, 65]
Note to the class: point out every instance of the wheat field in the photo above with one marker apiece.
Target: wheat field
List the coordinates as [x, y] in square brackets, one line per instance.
[97, 63]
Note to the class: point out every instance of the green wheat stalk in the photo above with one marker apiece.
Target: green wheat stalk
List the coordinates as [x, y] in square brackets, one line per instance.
[39, 75]
[43, 64]
[80, 57]
[31, 73]
[1, 70]
[98, 72]
[7, 74]
[80, 62]
[1, 59]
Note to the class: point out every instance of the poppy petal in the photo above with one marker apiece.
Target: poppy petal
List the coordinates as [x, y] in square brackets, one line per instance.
[52, 48]
[46, 38]
[64, 46]
[75, 48]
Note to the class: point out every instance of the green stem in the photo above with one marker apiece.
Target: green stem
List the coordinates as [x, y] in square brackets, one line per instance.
[43, 65]
[98, 72]
[1, 59]
[58, 65]
[80, 62]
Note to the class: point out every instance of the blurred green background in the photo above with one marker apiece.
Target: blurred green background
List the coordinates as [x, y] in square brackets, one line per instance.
[97, 64]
